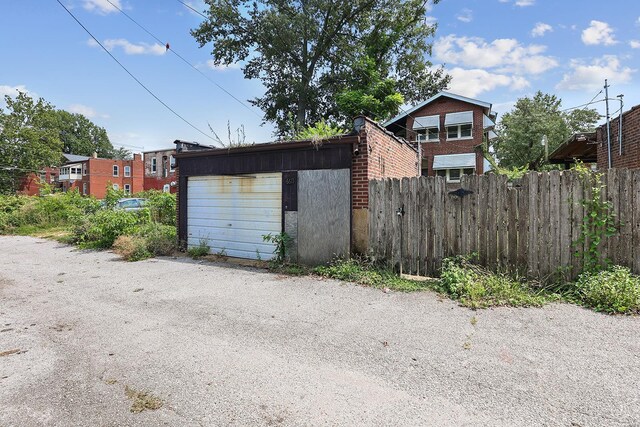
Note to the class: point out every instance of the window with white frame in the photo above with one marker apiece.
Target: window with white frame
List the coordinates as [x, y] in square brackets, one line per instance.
[459, 131]
[428, 135]
[172, 164]
[127, 171]
[116, 170]
[154, 165]
[84, 169]
[127, 188]
[115, 187]
[85, 187]
[453, 175]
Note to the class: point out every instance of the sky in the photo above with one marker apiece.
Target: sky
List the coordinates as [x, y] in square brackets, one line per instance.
[495, 50]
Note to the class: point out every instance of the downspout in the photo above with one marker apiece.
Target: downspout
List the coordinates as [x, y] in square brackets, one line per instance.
[606, 96]
[620, 124]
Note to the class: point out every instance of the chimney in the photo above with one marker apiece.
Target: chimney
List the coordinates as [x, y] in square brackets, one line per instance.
[137, 156]
[94, 155]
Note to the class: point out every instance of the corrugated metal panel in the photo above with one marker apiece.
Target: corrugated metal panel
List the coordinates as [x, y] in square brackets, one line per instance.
[463, 118]
[487, 122]
[232, 213]
[452, 161]
[426, 122]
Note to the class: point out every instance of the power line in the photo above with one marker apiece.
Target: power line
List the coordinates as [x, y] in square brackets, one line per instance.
[183, 59]
[192, 8]
[132, 76]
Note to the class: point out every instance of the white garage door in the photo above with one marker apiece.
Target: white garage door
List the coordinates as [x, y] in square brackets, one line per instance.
[232, 213]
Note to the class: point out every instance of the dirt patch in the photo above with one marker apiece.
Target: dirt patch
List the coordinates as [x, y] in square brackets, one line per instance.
[9, 352]
[142, 400]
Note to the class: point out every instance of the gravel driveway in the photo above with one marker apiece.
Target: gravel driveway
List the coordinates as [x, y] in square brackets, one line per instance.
[223, 345]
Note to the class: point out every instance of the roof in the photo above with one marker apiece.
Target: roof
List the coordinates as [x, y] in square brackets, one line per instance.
[75, 158]
[159, 150]
[433, 98]
[580, 146]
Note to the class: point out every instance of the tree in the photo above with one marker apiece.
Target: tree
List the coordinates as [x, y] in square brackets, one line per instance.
[81, 136]
[303, 51]
[521, 131]
[120, 154]
[369, 93]
[29, 140]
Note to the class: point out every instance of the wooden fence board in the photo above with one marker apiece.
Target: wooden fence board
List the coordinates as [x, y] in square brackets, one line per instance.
[532, 224]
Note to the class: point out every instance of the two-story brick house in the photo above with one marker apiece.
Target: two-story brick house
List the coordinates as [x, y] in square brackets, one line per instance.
[92, 175]
[450, 130]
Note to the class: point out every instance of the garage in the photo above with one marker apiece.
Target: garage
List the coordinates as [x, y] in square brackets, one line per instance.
[231, 214]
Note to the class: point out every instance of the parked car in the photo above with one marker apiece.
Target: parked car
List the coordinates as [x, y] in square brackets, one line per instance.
[130, 204]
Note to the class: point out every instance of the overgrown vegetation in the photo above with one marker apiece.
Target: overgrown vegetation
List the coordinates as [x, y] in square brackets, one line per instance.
[598, 223]
[90, 223]
[282, 242]
[477, 287]
[614, 290]
[199, 251]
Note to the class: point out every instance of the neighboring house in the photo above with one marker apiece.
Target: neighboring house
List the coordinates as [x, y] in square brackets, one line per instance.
[317, 193]
[627, 154]
[32, 184]
[592, 147]
[159, 170]
[450, 130]
[91, 175]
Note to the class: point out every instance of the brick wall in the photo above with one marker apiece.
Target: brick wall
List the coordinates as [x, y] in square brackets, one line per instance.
[630, 157]
[163, 174]
[443, 106]
[381, 155]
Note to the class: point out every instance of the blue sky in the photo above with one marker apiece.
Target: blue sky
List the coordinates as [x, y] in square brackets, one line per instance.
[496, 51]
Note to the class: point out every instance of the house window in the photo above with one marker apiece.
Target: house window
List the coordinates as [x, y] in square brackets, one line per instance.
[116, 170]
[84, 169]
[172, 164]
[127, 188]
[453, 175]
[127, 171]
[459, 131]
[84, 188]
[154, 165]
[115, 187]
[430, 134]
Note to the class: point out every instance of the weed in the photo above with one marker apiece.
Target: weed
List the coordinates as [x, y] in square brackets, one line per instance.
[362, 272]
[199, 251]
[614, 290]
[161, 239]
[142, 400]
[131, 248]
[476, 287]
[282, 242]
[474, 321]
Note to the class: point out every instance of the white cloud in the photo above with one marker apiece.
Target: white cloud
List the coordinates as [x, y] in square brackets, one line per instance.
[540, 29]
[598, 33]
[635, 44]
[102, 7]
[466, 15]
[504, 55]
[131, 48]
[591, 75]
[212, 65]
[525, 3]
[82, 109]
[12, 90]
[474, 82]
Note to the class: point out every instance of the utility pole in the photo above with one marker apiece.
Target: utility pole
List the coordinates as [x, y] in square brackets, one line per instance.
[606, 97]
[620, 124]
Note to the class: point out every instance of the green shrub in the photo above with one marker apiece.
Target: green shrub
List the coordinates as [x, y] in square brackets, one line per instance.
[199, 251]
[103, 228]
[162, 206]
[131, 248]
[161, 239]
[364, 272]
[476, 287]
[614, 290]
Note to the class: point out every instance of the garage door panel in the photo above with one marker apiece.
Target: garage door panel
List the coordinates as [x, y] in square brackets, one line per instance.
[233, 213]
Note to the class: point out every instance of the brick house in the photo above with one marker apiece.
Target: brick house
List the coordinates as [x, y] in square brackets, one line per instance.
[316, 193]
[591, 147]
[159, 170]
[91, 175]
[629, 156]
[31, 184]
[450, 130]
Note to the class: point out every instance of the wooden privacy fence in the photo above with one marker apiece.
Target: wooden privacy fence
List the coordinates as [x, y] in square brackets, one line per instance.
[530, 226]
